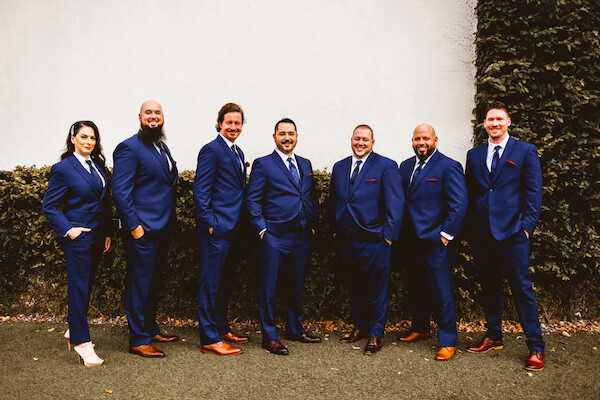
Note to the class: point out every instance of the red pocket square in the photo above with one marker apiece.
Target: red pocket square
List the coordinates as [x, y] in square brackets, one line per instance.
[310, 174]
[371, 180]
[510, 163]
[432, 180]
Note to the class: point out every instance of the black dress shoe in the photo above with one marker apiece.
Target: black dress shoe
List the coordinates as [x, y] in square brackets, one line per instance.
[275, 347]
[304, 338]
[353, 336]
[373, 345]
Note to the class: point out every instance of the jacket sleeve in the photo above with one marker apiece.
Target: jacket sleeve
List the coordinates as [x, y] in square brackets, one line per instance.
[331, 199]
[393, 197]
[532, 189]
[456, 199]
[255, 195]
[125, 167]
[203, 186]
[57, 189]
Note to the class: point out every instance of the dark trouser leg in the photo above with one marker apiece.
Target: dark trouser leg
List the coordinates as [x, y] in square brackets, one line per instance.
[293, 281]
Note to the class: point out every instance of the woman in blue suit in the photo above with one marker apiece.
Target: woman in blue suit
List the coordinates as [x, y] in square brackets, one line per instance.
[77, 205]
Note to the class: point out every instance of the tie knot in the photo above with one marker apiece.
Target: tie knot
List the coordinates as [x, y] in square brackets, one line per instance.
[89, 162]
[290, 160]
[358, 163]
[497, 148]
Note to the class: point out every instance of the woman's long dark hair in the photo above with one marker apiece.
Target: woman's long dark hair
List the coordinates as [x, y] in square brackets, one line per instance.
[97, 155]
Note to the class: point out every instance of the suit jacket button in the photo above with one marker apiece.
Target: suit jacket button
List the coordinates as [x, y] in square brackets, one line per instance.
[491, 190]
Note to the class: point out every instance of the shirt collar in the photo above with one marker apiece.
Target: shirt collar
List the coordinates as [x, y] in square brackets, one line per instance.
[229, 142]
[81, 158]
[502, 144]
[284, 157]
[364, 159]
[426, 160]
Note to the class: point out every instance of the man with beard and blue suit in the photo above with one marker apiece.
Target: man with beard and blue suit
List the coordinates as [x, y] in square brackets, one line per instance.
[144, 179]
[436, 204]
[281, 203]
[365, 208]
[504, 181]
[219, 195]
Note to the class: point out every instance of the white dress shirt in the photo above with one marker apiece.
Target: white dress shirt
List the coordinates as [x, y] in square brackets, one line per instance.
[85, 165]
[490, 151]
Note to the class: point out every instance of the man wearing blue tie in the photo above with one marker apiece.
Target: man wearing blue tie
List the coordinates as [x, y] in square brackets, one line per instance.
[144, 181]
[281, 203]
[436, 203]
[365, 208]
[504, 182]
[219, 188]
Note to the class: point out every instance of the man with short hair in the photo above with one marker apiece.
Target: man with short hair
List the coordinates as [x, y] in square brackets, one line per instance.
[143, 183]
[281, 202]
[436, 204]
[218, 190]
[504, 182]
[365, 208]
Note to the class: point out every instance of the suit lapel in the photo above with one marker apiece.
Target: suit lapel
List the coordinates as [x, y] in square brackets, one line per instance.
[231, 155]
[285, 169]
[502, 161]
[419, 178]
[482, 156]
[244, 166]
[95, 185]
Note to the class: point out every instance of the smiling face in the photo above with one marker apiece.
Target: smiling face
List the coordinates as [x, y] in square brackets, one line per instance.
[84, 141]
[496, 124]
[151, 115]
[362, 142]
[231, 127]
[424, 141]
[285, 137]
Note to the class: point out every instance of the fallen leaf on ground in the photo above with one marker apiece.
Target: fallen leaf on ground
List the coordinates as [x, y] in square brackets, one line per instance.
[109, 391]
[36, 331]
[335, 369]
[426, 359]
[356, 347]
[529, 374]
[50, 330]
[595, 348]
[35, 358]
[565, 334]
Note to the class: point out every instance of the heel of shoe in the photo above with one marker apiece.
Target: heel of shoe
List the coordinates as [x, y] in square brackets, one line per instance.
[68, 338]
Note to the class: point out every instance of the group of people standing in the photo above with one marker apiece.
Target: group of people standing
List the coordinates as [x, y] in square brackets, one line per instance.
[372, 203]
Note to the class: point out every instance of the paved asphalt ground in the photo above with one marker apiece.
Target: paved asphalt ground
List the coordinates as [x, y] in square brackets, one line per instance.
[35, 364]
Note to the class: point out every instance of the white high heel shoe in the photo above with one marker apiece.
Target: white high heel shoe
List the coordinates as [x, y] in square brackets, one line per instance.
[68, 337]
[87, 355]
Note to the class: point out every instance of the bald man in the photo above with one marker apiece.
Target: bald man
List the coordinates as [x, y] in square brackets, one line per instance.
[435, 208]
[144, 179]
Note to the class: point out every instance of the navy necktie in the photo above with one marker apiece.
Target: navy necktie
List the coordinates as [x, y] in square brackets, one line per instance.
[237, 157]
[495, 159]
[293, 169]
[417, 172]
[94, 173]
[355, 172]
[164, 154]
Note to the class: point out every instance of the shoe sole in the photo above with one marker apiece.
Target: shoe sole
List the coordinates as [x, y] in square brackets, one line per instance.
[483, 352]
[219, 354]
[414, 340]
[533, 369]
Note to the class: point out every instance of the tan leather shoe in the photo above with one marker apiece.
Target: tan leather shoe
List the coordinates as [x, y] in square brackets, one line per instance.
[164, 338]
[535, 361]
[146, 350]
[445, 353]
[413, 337]
[221, 349]
[486, 345]
[233, 338]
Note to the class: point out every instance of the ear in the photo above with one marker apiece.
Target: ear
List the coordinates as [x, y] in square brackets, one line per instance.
[508, 122]
[140, 117]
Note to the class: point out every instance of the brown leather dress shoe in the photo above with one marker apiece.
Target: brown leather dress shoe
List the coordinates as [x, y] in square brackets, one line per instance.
[275, 347]
[353, 336]
[535, 361]
[413, 337]
[221, 349]
[146, 350]
[445, 353]
[486, 345]
[373, 345]
[304, 338]
[164, 338]
[233, 338]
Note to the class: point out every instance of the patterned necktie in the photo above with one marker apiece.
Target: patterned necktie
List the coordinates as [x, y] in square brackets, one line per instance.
[94, 173]
[495, 159]
[237, 157]
[417, 172]
[355, 172]
[293, 169]
[164, 154]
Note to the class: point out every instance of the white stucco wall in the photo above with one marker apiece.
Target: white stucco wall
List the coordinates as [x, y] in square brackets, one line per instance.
[327, 64]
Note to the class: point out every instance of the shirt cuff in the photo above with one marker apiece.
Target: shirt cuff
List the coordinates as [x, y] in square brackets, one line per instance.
[261, 232]
[449, 237]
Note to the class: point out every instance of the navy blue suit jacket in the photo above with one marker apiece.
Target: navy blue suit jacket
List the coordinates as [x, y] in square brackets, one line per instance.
[275, 199]
[510, 200]
[219, 188]
[143, 187]
[83, 200]
[372, 208]
[437, 200]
